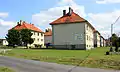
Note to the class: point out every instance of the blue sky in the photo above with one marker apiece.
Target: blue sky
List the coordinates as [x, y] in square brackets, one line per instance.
[41, 12]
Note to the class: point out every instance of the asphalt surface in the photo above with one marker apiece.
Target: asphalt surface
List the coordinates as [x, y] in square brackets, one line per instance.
[23, 65]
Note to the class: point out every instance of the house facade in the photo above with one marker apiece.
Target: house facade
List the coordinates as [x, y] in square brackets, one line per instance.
[72, 32]
[3, 42]
[104, 42]
[48, 36]
[101, 41]
[38, 34]
[97, 38]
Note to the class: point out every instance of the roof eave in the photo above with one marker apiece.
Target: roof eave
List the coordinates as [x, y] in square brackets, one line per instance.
[67, 22]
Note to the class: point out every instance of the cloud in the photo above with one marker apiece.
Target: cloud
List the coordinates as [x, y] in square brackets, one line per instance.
[107, 1]
[102, 22]
[45, 17]
[3, 14]
[5, 26]
[6, 23]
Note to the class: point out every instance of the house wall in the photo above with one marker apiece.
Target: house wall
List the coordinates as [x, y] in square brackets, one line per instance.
[98, 40]
[95, 39]
[104, 42]
[4, 42]
[38, 38]
[47, 39]
[65, 35]
[101, 42]
[89, 36]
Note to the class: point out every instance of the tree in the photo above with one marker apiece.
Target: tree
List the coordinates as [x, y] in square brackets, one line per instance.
[119, 41]
[13, 37]
[26, 36]
[115, 41]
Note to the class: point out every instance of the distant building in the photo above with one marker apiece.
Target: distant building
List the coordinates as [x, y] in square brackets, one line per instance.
[38, 35]
[48, 36]
[104, 43]
[101, 41]
[3, 42]
[97, 38]
[72, 32]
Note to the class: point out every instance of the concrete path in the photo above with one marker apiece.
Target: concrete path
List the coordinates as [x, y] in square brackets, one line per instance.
[23, 65]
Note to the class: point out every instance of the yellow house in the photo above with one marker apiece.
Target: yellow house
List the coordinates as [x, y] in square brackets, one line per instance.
[72, 32]
[38, 34]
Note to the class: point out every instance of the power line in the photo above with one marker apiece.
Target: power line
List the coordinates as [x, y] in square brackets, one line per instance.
[116, 20]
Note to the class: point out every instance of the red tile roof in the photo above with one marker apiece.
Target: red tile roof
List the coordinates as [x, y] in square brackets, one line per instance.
[25, 25]
[73, 18]
[49, 33]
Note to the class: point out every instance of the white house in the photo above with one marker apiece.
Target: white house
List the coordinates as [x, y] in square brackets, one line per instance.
[3, 42]
[38, 34]
[48, 36]
[72, 32]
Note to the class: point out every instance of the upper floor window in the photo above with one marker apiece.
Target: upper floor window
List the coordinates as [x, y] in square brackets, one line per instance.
[41, 34]
[87, 37]
[41, 39]
[87, 27]
[38, 34]
[34, 33]
[38, 39]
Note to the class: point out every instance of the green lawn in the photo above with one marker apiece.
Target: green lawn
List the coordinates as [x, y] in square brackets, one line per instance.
[4, 69]
[96, 59]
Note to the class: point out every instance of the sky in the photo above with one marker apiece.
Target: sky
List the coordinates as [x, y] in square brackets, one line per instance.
[100, 13]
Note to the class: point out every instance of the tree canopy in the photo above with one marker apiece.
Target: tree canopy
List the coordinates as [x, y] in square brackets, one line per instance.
[26, 36]
[13, 37]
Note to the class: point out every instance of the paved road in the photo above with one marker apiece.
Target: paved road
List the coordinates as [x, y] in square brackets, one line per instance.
[23, 65]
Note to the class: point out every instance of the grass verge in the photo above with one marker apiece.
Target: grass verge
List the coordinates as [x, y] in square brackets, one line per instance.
[5, 69]
[97, 58]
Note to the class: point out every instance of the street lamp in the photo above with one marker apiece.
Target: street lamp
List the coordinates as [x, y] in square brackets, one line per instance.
[112, 29]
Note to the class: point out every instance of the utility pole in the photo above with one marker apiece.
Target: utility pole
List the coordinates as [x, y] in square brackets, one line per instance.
[112, 29]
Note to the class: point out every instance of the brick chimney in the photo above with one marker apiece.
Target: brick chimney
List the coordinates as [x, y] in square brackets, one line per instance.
[64, 12]
[20, 22]
[70, 11]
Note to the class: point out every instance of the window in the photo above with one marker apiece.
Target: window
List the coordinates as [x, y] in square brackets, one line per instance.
[38, 34]
[87, 45]
[34, 33]
[41, 39]
[38, 39]
[87, 37]
[34, 39]
[87, 27]
[41, 34]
